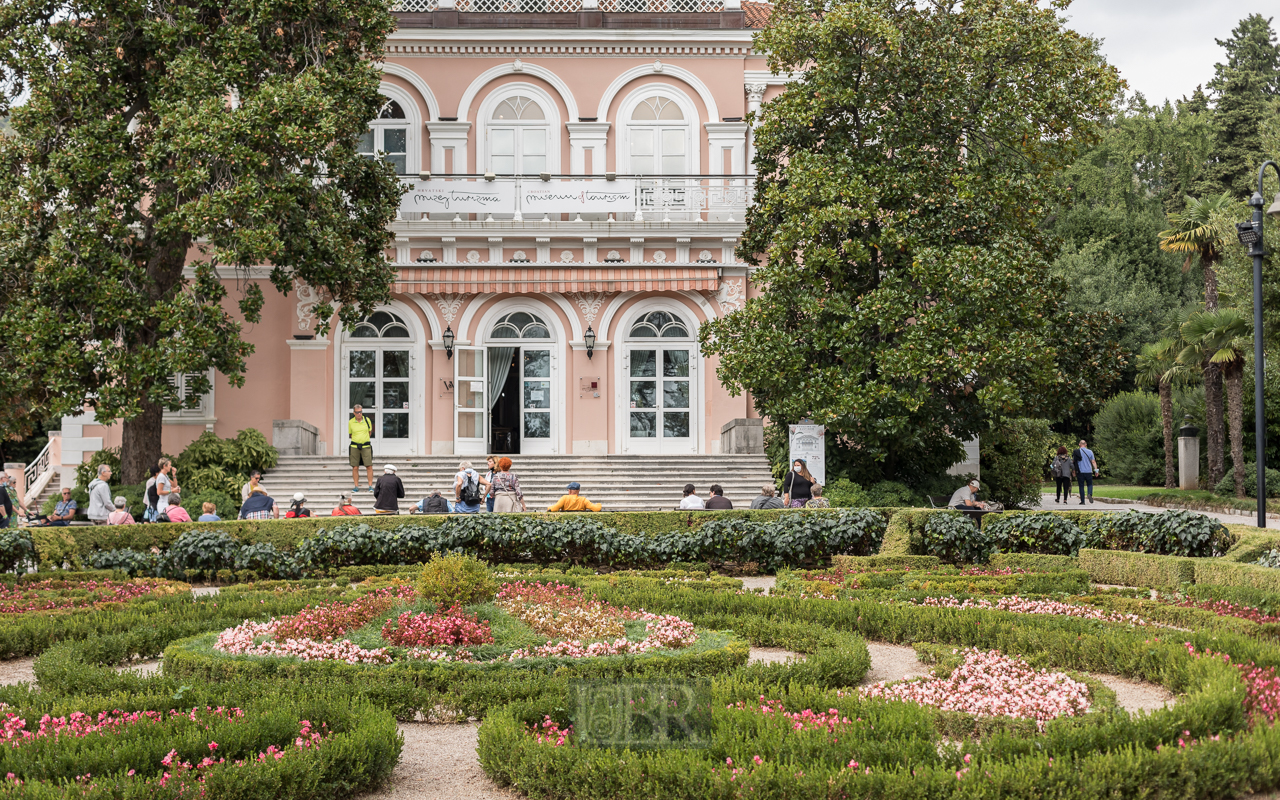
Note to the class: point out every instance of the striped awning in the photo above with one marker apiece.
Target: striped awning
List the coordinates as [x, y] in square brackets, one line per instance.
[477, 280]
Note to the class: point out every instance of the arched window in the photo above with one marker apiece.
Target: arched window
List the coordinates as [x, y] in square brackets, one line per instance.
[518, 137]
[659, 325]
[381, 325]
[659, 136]
[520, 325]
[388, 137]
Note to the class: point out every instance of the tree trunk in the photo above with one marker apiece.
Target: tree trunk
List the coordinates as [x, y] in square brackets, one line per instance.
[1235, 421]
[1209, 267]
[1166, 417]
[1213, 422]
[140, 444]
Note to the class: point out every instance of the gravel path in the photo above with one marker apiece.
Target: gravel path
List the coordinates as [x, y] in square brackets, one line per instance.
[892, 662]
[201, 591]
[765, 582]
[439, 763]
[772, 655]
[19, 670]
[1136, 696]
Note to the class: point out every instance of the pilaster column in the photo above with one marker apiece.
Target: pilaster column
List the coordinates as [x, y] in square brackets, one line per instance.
[731, 136]
[584, 136]
[448, 136]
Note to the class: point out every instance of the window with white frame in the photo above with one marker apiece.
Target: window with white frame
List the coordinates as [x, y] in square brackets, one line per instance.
[388, 137]
[518, 137]
[184, 384]
[659, 137]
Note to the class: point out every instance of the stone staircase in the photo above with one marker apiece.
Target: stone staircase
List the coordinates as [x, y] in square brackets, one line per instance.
[620, 482]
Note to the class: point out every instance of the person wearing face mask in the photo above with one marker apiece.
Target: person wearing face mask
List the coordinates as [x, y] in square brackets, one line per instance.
[797, 486]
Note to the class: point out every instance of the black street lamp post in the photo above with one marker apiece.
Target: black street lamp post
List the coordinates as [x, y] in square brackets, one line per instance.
[1250, 234]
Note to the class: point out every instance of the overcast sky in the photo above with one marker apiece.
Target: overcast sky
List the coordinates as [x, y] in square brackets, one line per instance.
[1164, 48]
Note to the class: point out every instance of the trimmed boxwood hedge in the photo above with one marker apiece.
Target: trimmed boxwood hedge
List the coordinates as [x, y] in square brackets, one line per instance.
[1122, 568]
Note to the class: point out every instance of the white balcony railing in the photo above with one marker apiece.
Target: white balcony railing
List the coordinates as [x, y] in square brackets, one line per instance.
[565, 6]
[676, 198]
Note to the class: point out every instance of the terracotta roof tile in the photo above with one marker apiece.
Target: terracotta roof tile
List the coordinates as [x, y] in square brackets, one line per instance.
[757, 14]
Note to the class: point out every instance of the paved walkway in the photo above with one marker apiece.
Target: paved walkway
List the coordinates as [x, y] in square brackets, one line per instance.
[1249, 518]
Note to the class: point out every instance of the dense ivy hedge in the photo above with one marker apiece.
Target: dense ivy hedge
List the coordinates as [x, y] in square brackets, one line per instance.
[770, 542]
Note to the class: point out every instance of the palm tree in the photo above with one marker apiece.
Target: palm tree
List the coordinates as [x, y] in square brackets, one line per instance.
[1158, 365]
[1221, 338]
[1193, 234]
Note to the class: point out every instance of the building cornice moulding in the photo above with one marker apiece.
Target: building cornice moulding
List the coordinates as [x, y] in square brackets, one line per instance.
[540, 37]
[418, 229]
[768, 78]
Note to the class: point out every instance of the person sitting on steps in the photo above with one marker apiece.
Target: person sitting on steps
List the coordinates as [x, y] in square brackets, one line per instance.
[691, 501]
[435, 504]
[388, 491]
[572, 501]
[175, 511]
[344, 507]
[768, 498]
[717, 501]
[298, 508]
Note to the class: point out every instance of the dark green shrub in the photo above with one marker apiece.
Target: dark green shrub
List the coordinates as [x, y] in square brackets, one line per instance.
[1130, 436]
[17, 550]
[227, 508]
[265, 561]
[1227, 486]
[346, 545]
[201, 551]
[1126, 530]
[1185, 533]
[125, 560]
[952, 537]
[1045, 534]
[1012, 461]
[455, 579]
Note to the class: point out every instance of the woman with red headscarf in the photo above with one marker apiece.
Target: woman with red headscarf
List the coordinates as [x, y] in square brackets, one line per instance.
[507, 497]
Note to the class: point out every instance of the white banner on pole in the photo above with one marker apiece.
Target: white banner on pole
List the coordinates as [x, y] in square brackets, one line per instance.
[569, 197]
[459, 197]
[809, 442]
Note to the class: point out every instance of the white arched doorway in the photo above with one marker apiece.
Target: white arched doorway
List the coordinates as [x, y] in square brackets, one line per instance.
[659, 380]
[379, 369]
[509, 393]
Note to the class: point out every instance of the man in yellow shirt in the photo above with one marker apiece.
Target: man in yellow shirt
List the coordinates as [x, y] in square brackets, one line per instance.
[360, 428]
[573, 501]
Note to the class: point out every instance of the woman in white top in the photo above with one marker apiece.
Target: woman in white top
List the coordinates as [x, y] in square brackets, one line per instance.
[691, 501]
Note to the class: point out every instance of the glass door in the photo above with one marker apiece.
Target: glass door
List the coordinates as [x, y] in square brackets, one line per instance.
[660, 400]
[470, 406]
[378, 381]
[535, 394]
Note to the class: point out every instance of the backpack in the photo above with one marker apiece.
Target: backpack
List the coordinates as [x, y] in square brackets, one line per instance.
[153, 496]
[470, 493]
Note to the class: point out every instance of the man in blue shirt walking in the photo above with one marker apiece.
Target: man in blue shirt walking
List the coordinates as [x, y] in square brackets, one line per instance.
[1086, 466]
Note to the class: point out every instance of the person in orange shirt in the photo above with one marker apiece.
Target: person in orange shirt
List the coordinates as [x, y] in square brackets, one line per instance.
[574, 501]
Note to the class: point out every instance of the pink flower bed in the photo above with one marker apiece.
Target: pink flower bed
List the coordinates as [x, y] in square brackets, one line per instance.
[1226, 609]
[258, 639]
[77, 725]
[990, 684]
[451, 628]
[331, 620]
[1262, 687]
[663, 632]
[550, 732]
[57, 595]
[801, 720]
[1022, 605]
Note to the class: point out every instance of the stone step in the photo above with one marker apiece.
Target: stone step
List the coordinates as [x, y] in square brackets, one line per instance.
[619, 482]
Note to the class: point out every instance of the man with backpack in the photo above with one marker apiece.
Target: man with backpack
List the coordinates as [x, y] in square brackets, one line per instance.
[470, 488]
[1086, 466]
[388, 491]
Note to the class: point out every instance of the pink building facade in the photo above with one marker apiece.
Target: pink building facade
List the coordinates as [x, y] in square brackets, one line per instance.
[576, 176]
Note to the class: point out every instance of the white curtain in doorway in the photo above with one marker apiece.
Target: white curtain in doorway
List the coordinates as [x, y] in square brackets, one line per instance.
[499, 366]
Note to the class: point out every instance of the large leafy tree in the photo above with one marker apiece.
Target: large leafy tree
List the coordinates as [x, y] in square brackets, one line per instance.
[157, 146]
[903, 177]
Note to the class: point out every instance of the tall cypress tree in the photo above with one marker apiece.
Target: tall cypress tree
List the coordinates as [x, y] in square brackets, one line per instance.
[1243, 87]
